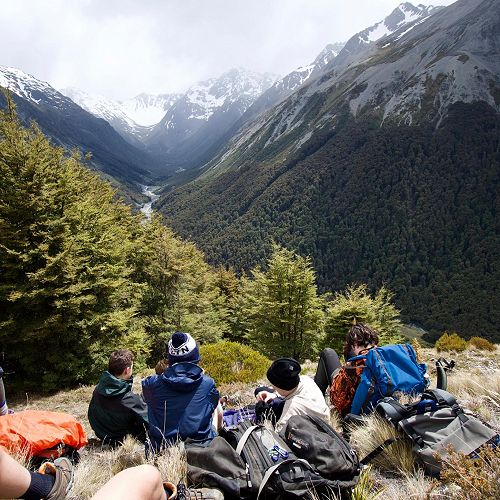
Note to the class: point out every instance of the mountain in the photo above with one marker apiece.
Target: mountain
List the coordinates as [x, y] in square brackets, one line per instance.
[405, 14]
[385, 169]
[336, 54]
[70, 126]
[108, 110]
[148, 109]
[195, 124]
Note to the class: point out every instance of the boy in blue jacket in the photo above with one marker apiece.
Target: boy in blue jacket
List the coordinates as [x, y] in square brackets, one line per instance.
[183, 401]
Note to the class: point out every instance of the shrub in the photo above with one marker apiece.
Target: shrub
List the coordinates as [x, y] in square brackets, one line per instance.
[482, 344]
[229, 362]
[478, 478]
[450, 342]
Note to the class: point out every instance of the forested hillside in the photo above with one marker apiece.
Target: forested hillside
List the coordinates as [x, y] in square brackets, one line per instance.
[384, 169]
[412, 207]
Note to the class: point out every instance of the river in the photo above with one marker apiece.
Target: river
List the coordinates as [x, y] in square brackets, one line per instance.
[147, 209]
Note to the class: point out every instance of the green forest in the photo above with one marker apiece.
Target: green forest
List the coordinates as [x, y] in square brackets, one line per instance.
[82, 275]
[412, 208]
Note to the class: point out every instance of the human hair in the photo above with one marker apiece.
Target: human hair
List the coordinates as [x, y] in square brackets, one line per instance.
[359, 335]
[119, 361]
[161, 366]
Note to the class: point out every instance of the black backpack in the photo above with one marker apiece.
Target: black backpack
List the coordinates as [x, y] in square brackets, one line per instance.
[327, 451]
[252, 461]
[436, 424]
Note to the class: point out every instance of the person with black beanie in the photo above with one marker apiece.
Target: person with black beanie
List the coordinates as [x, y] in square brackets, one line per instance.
[291, 394]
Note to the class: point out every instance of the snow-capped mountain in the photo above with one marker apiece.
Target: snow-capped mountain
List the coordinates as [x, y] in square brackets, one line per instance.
[108, 110]
[405, 14]
[30, 88]
[198, 120]
[69, 125]
[148, 109]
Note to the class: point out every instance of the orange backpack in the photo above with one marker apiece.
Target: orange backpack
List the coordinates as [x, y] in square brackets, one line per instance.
[40, 433]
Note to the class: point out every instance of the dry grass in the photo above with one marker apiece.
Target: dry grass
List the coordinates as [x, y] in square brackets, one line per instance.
[397, 458]
[475, 381]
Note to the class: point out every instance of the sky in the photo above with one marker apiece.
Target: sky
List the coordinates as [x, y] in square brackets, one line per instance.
[120, 48]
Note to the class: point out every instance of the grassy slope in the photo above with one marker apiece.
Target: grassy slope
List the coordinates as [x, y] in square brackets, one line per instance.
[475, 381]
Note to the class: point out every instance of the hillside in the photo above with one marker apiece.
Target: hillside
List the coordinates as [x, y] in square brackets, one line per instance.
[476, 381]
[385, 171]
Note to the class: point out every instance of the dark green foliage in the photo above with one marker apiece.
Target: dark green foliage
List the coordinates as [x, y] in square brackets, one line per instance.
[80, 276]
[412, 208]
[356, 305]
[228, 362]
[66, 297]
[282, 312]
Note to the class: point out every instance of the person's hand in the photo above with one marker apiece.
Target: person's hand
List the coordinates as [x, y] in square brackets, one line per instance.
[266, 396]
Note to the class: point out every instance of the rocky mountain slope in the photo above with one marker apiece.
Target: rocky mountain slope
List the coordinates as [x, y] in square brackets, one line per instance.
[70, 126]
[385, 168]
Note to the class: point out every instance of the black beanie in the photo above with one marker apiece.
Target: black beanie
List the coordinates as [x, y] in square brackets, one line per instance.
[284, 373]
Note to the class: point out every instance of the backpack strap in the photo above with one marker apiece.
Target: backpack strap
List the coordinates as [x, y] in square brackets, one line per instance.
[271, 470]
[244, 438]
[378, 450]
[442, 397]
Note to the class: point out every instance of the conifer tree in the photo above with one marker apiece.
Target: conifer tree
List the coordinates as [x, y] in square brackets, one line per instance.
[66, 247]
[356, 305]
[182, 291]
[282, 309]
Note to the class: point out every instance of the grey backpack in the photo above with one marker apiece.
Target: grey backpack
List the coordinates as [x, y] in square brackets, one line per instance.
[437, 424]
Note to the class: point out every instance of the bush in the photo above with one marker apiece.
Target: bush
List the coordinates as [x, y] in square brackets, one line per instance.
[482, 344]
[228, 362]
[451, 342]
[478, 478]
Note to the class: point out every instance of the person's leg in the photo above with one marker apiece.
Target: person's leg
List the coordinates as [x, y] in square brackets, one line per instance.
[137, 483]
[14, 478]
[4, 409]
[327, 364]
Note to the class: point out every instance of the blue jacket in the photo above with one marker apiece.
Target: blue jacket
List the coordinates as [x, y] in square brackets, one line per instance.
[180, 402]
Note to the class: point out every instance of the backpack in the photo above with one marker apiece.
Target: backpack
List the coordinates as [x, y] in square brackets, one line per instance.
[436, 424]
[44, 434]
[327, 451]
[388, 369]
[253, 462]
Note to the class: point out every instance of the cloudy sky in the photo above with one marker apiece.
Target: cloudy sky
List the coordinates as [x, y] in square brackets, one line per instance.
[119, 48]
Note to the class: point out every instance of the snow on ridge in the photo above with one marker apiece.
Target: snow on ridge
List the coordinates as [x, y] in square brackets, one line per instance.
[378, 31]
[22, 84]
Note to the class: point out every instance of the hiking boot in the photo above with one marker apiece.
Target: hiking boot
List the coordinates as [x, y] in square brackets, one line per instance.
[184, 493]
[62, 469]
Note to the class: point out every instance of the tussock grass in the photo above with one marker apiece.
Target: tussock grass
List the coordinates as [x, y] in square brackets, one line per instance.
[396, 458]
[475, 382]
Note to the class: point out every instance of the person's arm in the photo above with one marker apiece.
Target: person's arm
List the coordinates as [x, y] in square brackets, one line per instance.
[137, 406]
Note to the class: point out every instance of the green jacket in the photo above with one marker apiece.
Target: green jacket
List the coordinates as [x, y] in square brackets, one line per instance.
[115, 411]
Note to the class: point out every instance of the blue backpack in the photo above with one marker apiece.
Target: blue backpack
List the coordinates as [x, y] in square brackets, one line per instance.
[388, 369]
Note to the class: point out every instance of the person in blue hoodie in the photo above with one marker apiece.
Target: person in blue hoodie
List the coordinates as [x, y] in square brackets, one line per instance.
[114, 410]
[183, 401]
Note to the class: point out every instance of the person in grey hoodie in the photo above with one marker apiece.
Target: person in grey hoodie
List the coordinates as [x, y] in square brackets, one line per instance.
[114, 410]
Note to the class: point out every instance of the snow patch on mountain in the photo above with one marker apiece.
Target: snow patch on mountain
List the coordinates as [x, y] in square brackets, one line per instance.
[99, 106]
[148, 109]
[30, 88]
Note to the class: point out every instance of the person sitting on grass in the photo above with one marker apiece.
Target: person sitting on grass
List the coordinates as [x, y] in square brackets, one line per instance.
[183, 401]
[344, 379]
[292, 394]
[114, 410]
